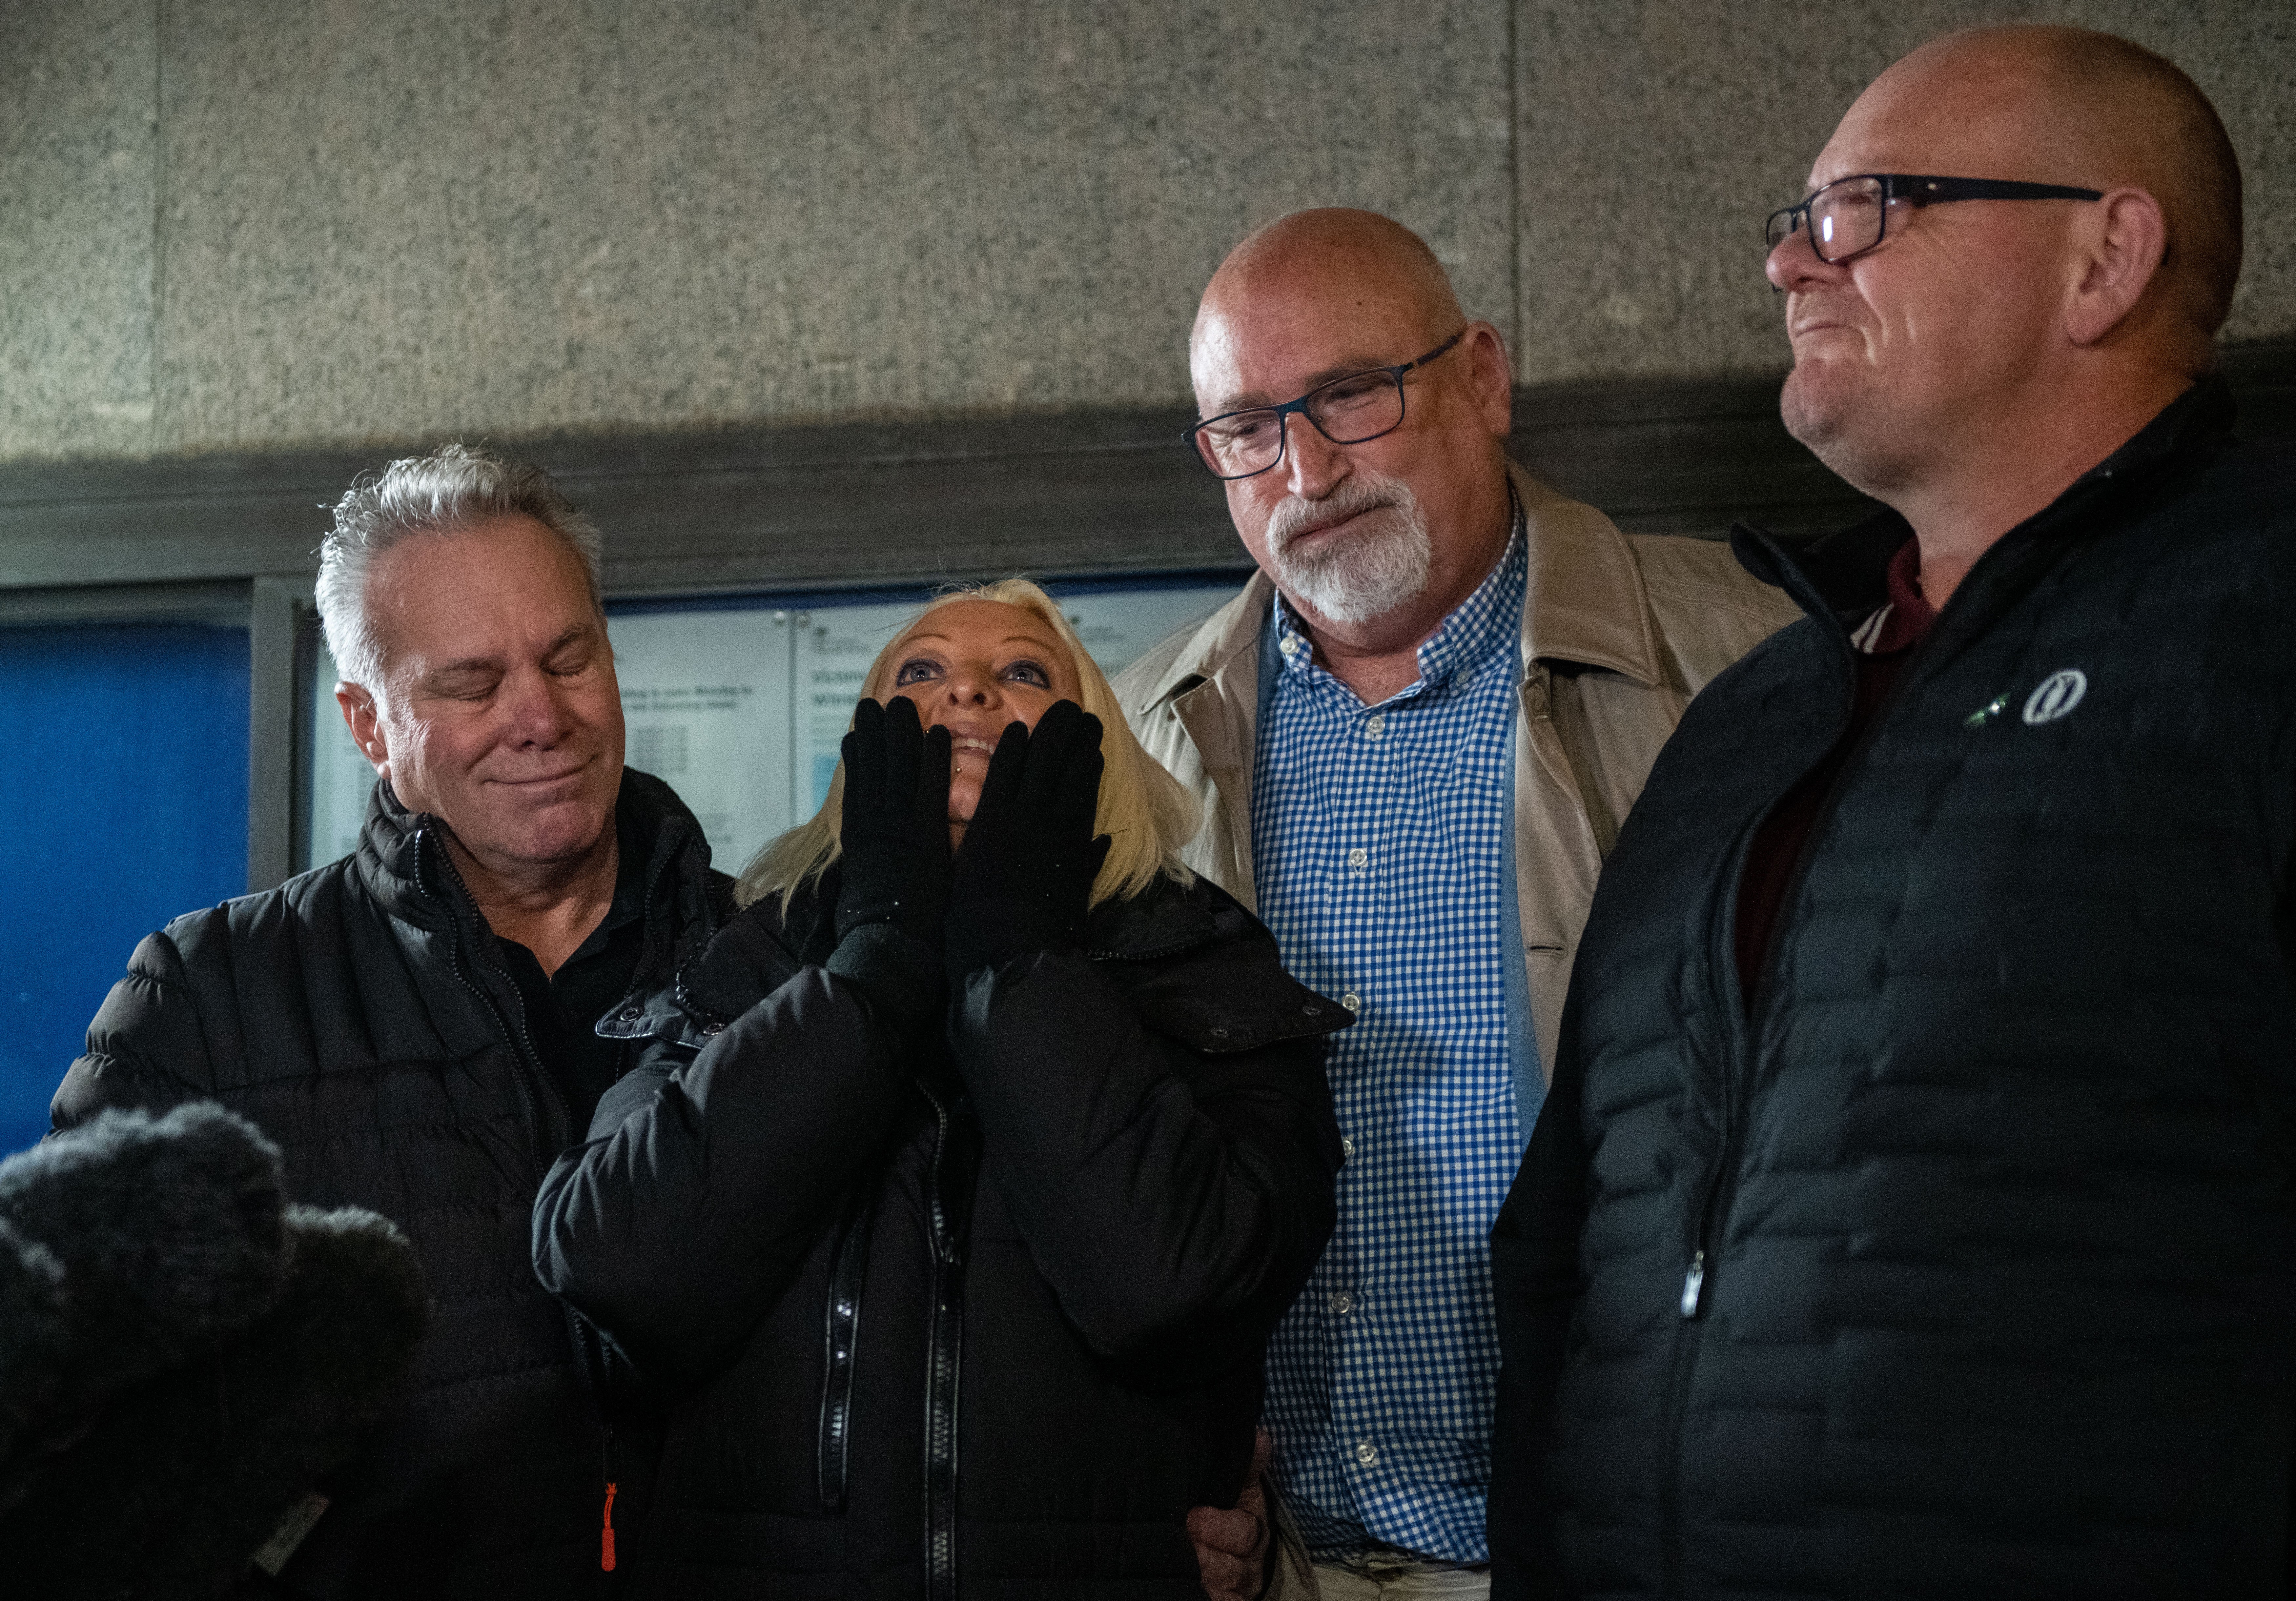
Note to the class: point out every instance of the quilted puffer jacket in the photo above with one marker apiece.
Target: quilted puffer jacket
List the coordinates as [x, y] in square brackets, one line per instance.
[1962, 1264]
[359, 1016]
[978, 1318]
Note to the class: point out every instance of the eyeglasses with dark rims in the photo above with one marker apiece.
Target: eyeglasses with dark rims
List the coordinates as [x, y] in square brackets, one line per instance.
[1346, 410]
[1850, 216]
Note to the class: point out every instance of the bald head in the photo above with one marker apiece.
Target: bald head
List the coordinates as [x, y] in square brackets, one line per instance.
[1337, 261]
[2067, 105]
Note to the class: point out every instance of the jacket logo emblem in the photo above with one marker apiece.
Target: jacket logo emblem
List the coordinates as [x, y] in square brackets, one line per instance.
[2058, 694]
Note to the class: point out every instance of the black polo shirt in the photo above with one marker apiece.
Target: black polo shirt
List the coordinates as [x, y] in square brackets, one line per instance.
[563, 1007]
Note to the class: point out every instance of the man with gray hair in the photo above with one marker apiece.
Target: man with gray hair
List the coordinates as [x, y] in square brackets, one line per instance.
[413, 1024]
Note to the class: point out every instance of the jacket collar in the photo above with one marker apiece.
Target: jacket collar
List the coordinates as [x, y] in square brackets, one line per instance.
[402, 857]
[1586, 601]
[1168, 918]
[1583, 602]
[389, 860]
[1845, 573]
[1230, 633]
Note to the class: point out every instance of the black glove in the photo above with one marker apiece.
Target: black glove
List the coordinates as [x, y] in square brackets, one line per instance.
[1024, 877]
[893, 874]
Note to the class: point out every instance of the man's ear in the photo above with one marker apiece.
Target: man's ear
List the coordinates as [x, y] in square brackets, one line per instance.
[1490, 377]
[2118, 255]
[366, 724]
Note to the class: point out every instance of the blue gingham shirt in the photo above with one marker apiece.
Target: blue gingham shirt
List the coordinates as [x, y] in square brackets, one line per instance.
[1382, 845]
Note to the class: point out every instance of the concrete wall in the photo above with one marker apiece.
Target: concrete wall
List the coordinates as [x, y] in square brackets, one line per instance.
[244, 225]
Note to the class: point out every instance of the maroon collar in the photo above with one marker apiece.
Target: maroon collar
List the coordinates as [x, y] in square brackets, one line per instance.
[1910, 612]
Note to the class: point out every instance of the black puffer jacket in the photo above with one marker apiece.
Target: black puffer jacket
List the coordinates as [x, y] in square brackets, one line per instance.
[1965, 1265]
[984, 1325]
[358, 1017]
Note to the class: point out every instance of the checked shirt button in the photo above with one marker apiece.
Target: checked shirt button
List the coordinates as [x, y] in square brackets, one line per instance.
[1352, 1001]
[1367, 1453]
[1375, 725]
[1358, 857]
[1342, 1302]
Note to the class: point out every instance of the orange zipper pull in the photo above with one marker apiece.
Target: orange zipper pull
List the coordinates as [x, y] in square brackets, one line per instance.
[606, 1537]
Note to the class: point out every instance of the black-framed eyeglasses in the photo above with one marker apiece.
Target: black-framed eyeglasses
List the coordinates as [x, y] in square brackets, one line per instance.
[1850, 216]
[1346, 411]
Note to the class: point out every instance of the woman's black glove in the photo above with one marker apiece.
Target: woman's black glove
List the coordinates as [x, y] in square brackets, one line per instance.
[1024, 876]
[893, 874]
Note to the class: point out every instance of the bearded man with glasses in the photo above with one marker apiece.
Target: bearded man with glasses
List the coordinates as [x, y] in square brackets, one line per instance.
[1415, 735]
[1912, 1213]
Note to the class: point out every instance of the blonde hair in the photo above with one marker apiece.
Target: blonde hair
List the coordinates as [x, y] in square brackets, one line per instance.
[1144, 810]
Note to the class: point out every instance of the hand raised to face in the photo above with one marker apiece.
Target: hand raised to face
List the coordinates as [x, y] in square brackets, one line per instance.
[894, 833]
[893, 873]
[1023, 879]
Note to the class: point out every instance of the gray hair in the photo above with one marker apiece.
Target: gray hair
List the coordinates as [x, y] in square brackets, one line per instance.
[456, 487]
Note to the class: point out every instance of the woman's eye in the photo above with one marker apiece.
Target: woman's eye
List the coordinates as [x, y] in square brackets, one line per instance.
[1029, 673]
[917, 671]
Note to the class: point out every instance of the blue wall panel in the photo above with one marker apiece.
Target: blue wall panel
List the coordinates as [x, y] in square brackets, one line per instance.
[123, 787]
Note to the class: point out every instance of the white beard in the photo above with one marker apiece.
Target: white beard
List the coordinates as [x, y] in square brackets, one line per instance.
[1381, 564]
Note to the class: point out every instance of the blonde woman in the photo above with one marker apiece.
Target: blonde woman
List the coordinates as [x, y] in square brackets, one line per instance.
[971, 1165]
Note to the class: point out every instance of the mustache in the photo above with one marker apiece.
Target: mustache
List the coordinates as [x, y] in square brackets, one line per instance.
[1293, 516]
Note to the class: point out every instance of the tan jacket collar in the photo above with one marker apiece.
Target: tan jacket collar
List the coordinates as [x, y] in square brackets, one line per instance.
[1227, 633]
[1583, 602]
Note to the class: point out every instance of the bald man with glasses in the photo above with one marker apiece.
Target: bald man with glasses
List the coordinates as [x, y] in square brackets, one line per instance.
[1415, 735]
[1912, 1214]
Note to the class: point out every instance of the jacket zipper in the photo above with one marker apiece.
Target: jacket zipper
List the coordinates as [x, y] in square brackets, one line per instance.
[528, 1068]
[1721, 1179]
[841, 1333]
[1743, 1017]
[944, 1354]
[590, 1349]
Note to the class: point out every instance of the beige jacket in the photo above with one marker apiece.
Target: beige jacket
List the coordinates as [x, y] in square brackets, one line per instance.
[1636, 623]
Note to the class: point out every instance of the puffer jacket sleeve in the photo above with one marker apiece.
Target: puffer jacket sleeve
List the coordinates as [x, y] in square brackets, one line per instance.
[710, 1174]
[1175, 1201]
[1535, 1282]
[146, 1047]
